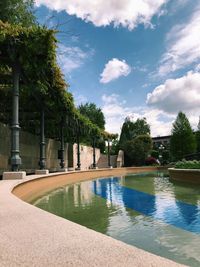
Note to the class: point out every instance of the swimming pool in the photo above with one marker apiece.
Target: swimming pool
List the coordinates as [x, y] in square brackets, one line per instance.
[146, 210]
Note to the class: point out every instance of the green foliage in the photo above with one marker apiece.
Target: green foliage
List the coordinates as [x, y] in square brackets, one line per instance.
[18, 12]
[131, 129]
[155, 154]
[100, 143]
[94, 114]
[182, 141]
[42, 85]
[115, 147]
[134, 153]
[146, 142]
[165, 156]
[135, 141]
[190, 164]
[137, 150]
[197, 137]
[141, 127]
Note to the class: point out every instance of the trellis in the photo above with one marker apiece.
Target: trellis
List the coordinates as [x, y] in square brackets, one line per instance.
[28, 68]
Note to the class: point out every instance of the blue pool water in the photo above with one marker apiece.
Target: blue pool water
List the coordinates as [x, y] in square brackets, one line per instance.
[176, 213]
[146, 210]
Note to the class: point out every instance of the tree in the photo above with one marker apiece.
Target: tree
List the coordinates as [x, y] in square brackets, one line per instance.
[197, 135]
[115, 147]
[94, 114]
[182, 141]
[18, 12]
[131, 130]
[141, 127]
[146, 141]
[165, 157]
[137, 150]
[155, 154]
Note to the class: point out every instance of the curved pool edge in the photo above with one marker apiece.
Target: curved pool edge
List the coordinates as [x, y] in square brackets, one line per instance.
[31, 188]
[30, 236]
[185, 175]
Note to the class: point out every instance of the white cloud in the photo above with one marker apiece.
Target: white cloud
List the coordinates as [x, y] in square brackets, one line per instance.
[71, 58]
[125, 13]
[114, 69]
[177, 94]
[115, 111]
[197, 68]
[183, 45]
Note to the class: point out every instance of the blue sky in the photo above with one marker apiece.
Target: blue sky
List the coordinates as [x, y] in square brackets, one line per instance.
[137, 58]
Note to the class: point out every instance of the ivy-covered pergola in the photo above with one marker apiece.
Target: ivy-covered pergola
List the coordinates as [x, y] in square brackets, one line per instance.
[29, 72]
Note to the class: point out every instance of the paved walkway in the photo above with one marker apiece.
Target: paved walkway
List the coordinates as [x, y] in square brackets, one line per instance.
[30, 237]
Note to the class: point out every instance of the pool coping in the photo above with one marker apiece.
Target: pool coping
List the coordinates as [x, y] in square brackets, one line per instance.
[185, 175]
[30, 236]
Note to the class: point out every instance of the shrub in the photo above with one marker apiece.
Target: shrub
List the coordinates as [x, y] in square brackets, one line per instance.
[151, 161]
[155, 154]
[190, 164]
[137, 150]
[165, 156]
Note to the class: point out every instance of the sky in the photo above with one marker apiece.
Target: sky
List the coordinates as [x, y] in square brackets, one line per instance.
[136, 58]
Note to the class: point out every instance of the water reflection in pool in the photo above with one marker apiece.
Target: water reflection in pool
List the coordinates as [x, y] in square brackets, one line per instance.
[147, 211]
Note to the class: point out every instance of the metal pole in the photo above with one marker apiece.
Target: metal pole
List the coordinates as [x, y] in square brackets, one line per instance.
[78, 150]
[62, 162]
[42, 162]
[109, 153]
[94, 154]
[15, 157]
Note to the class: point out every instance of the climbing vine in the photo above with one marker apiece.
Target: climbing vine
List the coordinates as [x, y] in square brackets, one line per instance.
[42, 85]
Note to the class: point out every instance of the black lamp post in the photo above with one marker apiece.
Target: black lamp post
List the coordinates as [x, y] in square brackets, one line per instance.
[61, 151]
[94, 154]
[78, 147]
[161, 148]
[109, 165]
[42, 161]
[15, 128]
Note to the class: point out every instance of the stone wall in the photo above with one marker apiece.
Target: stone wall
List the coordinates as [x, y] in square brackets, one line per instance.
[4, 147]
[29, 152]
[86, 156]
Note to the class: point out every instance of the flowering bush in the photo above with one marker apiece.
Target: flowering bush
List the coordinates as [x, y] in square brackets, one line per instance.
[151, 161]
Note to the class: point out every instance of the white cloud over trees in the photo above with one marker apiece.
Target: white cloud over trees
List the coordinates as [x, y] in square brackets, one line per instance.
[116, 110]
[114, 69]
[125, 13]
[71, 58]
[177, 94]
